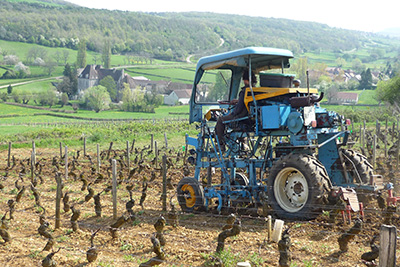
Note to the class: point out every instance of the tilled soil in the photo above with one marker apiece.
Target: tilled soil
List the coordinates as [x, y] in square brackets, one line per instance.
[192, 243]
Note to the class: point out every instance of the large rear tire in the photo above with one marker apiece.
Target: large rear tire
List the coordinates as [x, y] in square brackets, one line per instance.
[298, 186]
[190, 195]
[357, 166]
[360, 170]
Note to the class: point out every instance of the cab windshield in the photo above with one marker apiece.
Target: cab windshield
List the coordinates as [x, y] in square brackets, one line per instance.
[214, 86]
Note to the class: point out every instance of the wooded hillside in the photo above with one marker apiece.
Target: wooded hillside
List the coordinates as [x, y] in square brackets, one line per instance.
[164, 35]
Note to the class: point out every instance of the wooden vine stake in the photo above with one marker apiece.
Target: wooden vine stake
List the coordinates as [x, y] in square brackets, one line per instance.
[166, 140]
[84, 146]
[269, 227]
[32, 165]
[66, 163]
[397, 151]
[374, 152]
[164, 193]
[58, 201]
[98, 158]
[128, 159]
[33, 153]
[387, 252]
[152, 142]
[156, 148]
[114, 187]
[9, 155]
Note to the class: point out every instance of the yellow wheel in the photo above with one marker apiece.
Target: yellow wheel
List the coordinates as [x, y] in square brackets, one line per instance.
[190, 194]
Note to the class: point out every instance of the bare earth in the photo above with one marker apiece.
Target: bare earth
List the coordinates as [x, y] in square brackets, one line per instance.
[192, 243]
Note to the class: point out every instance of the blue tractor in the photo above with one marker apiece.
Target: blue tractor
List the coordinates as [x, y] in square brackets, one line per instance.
[287, 153]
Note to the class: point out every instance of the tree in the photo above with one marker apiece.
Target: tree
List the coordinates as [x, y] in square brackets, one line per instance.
[70, 81]
[389, 92]
[106, 55]
[26, 97]
[50, 66]
[10, 59]
[39, 62]
[300, 68]
[16, 96]
[366, 79]
[51, 97]
[331, 93]
[127, 98]
[21, 70]
[9, 74]
[65, 55]
[340, 62]
[9, 89]
[3, 96]
[96, 57]
[357, 65]
[65, 86]
[81, 56]
[109, 83]
[133, 99]
[153, 99]
[48, 98]
[64, 99]
[57, 56]
[36, 52]
[97, 98]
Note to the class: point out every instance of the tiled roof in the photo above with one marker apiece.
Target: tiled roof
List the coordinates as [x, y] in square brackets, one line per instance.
[183, 93]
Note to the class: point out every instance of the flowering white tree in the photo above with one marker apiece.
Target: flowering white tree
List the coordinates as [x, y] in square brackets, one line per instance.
[10, 59]
[22, 69]
[39, 62]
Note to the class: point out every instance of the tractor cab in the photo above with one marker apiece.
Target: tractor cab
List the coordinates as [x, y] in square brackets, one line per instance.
[218, 81]
[218, 77]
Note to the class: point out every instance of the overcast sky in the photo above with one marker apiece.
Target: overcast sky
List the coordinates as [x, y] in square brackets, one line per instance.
[371, 16]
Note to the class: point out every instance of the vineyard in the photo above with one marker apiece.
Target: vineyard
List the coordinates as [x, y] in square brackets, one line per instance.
[118, 207]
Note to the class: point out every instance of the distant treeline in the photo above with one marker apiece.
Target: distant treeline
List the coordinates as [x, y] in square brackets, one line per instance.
[168, 36]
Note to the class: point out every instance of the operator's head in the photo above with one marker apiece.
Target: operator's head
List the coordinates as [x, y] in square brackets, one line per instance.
[245, 77]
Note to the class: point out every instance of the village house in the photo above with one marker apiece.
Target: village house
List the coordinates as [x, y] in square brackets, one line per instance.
[179, 96]
[91, 75]
[344, 98]
[173, 92]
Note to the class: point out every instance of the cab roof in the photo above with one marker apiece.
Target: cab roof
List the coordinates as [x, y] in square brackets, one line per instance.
[262, 58]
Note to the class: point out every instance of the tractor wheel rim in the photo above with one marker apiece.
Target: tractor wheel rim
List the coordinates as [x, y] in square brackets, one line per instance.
[291, 189]
[190, 195]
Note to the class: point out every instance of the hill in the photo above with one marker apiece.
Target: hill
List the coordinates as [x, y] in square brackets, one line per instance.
[393, 32]
[170, 35]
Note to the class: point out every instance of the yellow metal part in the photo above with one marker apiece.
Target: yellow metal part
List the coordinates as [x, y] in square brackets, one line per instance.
[208, 115]
[190, 201]
[268, 92]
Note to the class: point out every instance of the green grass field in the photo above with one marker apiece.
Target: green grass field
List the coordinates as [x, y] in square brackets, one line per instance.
[179, 73]
[35, 87]
[27, 125]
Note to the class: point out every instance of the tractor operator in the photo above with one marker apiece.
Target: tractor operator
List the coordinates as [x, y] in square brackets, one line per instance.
[239, 110]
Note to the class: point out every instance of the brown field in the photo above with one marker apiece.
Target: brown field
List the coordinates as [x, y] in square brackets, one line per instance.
[192, 243]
